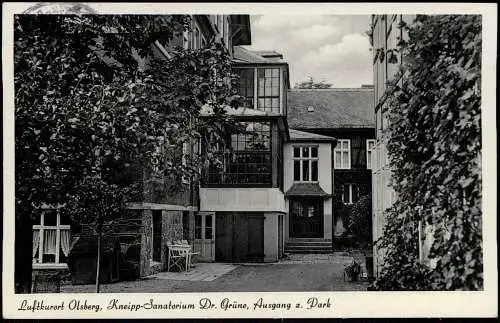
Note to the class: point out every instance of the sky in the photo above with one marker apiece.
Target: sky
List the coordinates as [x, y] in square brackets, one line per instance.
[331, 48]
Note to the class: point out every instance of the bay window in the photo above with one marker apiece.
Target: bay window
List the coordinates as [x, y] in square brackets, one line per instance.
[261, 88]
[51, 238]
[245, 158]
[305, 163]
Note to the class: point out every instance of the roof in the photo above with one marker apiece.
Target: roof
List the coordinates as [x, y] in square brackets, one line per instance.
[306, 189]
[243, 55]
[296, 135]
[332, 108]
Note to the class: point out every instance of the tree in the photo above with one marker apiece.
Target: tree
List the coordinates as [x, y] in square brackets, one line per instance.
[93, 101]
[311, 84]
[359, 220]
[434, 147]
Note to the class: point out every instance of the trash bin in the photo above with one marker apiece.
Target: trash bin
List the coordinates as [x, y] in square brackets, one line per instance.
[82, 260]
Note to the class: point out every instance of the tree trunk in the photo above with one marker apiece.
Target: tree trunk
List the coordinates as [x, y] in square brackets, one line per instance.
[23, 244]
[98, 266]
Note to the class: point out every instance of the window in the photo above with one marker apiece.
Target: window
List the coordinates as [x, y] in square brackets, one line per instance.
[245, 158]
[265, 84]
[370, 145]
[204, 226]
[350, 193]
[51, 238]
[305, 164]
[247, 80]
[268, 89]
[342, 154]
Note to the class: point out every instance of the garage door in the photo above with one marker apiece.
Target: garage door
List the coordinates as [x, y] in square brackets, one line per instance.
[239, 237]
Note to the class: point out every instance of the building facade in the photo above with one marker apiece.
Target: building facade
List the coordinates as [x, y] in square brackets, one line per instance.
[386, 35]
[347, 116]
[166, 213]
[242, 205]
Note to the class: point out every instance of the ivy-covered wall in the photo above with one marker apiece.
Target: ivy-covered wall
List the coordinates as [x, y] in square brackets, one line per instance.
[434, 149]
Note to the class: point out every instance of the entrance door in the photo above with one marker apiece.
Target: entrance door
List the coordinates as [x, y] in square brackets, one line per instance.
[306, 218]
[204, 242]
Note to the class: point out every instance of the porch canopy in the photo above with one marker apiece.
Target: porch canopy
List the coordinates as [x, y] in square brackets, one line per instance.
[307, 189]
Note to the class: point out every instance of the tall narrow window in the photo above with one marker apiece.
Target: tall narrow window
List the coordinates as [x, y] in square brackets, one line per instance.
[247, 77]
[370, 145]
[342, 154]
[305, 164]
[268, 89]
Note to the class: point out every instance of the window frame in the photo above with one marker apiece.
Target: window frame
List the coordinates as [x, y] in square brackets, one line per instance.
[230, 175]
[41, 227]
[309, 159]
[202, 226]
[339, 148]
[256, 82]
[369, 153]
[351, 188]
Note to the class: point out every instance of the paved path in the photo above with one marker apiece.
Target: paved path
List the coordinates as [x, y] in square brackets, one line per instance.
[201, 272]
[295, 274]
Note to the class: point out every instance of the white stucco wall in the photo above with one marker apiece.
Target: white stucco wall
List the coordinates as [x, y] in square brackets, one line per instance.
[271, 237]
[237, 199]
[325, 181]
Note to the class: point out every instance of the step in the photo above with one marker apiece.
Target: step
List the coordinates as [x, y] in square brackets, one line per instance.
[311, 244]
[308, 248]
[309, 239]
[309, 251]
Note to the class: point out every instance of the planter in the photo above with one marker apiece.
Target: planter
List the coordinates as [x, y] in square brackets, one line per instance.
[352, 271]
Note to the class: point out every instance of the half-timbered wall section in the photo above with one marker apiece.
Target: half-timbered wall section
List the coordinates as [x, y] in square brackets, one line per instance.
[346, 115]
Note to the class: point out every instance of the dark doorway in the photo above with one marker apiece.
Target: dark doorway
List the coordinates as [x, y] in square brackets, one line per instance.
[157, 235]
[306, 218]
[239, 236]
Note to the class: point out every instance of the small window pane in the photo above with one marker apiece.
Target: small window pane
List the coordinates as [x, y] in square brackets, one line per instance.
[345, 145]
[296, 170]
[296, 152]
[208, 221]
[276, 72]
[305, 152]
[50, 217]
[314, 151]
[208, 233]
[337, 159]
[197, 232]
[268, 72]
[36, 218]
[65, 220]
[310, 211]
[314, 170]
[305, 170]
[345, 160]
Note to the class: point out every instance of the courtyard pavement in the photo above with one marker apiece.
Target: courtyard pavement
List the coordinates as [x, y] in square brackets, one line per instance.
[297, 273]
